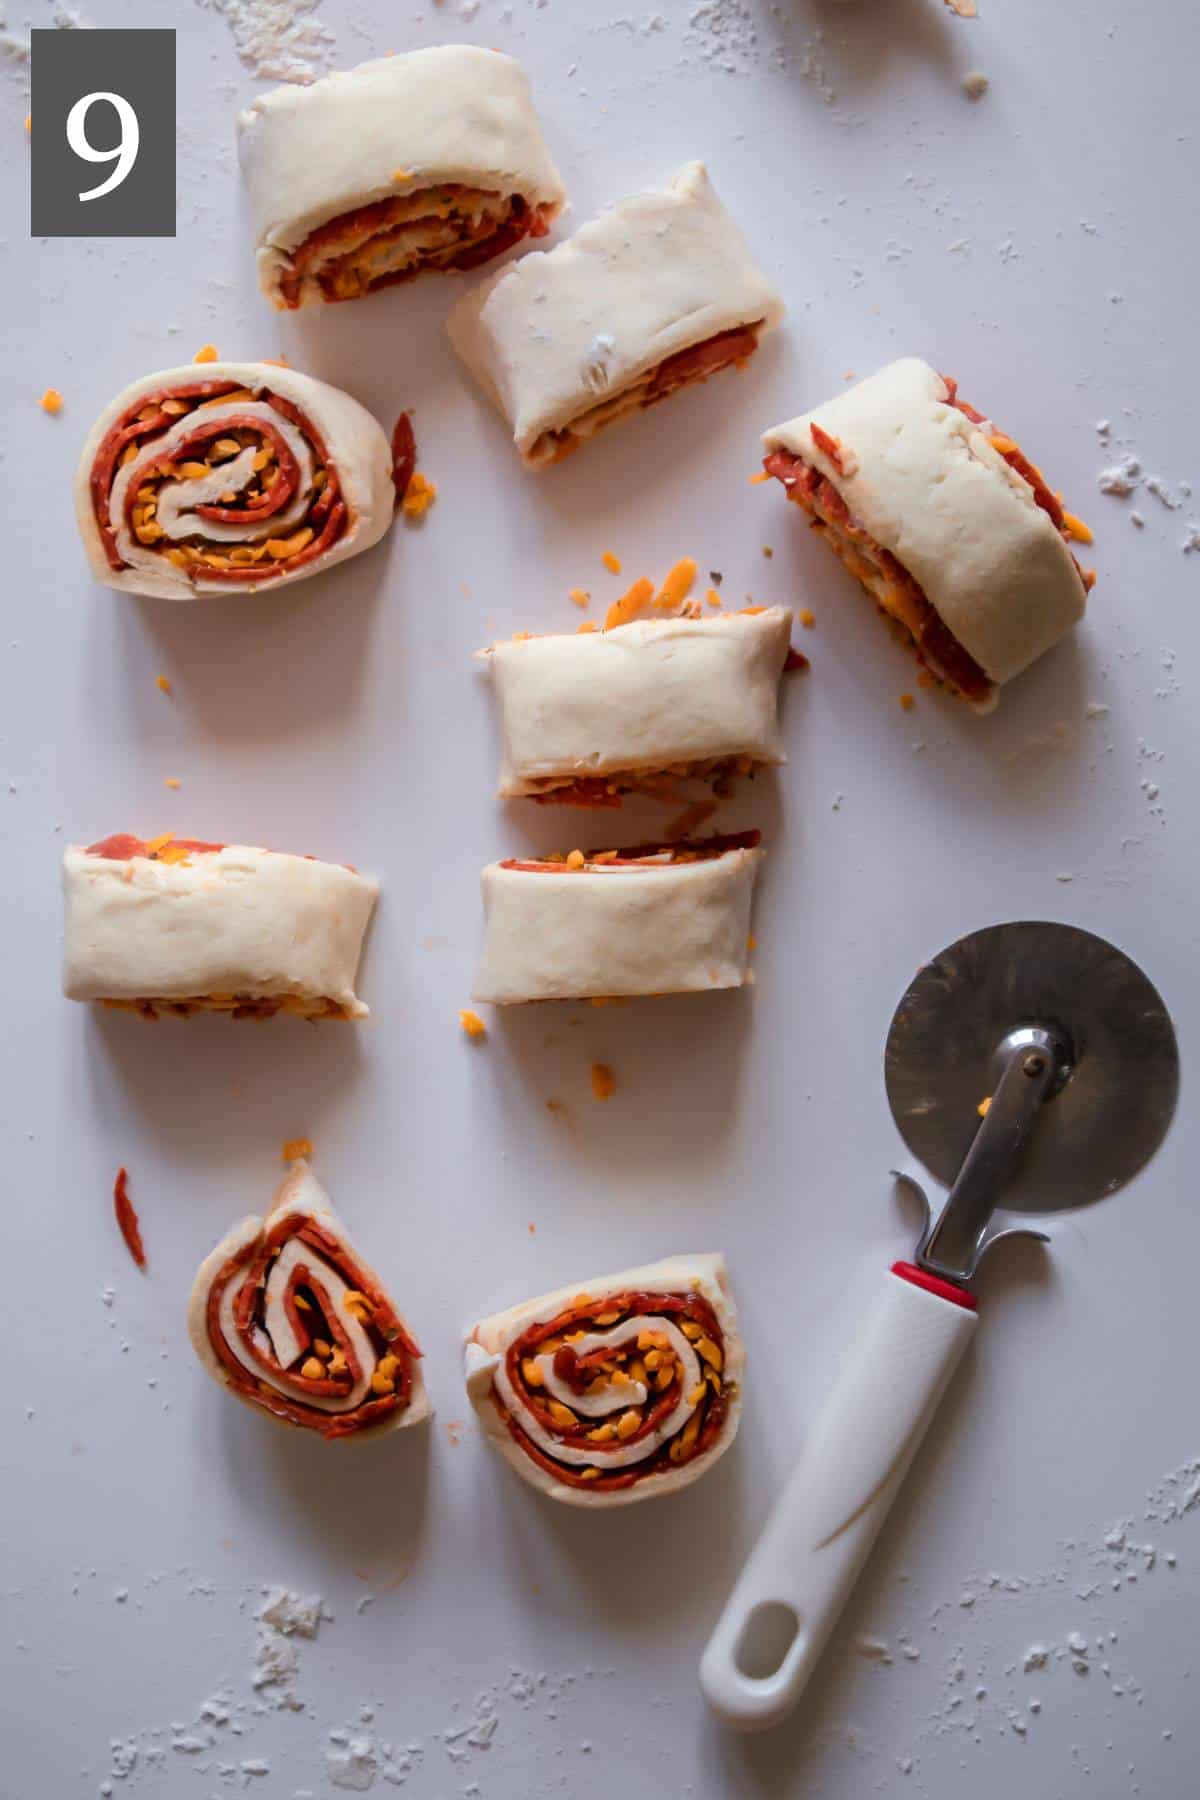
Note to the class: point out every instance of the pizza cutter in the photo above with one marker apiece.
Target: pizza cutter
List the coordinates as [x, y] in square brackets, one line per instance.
[1030, 1066]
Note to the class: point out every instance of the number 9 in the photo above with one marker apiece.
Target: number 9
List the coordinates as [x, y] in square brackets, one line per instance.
[123, 153]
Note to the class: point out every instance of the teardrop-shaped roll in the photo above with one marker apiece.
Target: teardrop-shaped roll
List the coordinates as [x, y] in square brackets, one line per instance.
[622, 1388]
[226, 477]
[287, 1316]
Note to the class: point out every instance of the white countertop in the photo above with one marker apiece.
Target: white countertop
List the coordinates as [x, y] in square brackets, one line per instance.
[1038, 243]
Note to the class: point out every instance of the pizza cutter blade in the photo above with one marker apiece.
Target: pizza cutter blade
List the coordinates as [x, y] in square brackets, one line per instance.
[1032, 1067]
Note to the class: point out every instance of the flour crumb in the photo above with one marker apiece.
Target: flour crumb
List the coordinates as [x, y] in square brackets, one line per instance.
[1122, 478]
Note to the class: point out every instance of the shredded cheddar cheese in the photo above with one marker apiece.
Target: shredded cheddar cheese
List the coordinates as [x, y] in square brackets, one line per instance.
[678, 584]
[297, 1149]
[756, 479]
[984, 1107]
[907, 702]
[580, 596]
[622, 611]
[173, 781]
[162, 683]
[588, 625]
[612, 563]
[207, 353]
[604, 1082]
[401, 174]
[419, 496]
[471, 1023]
[576, 859]
[51, 401]
[807, 619]
[159, 843]
[1076, 529]
[712, 596]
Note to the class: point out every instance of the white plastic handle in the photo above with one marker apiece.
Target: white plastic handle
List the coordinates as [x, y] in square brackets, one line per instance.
[796, 1580]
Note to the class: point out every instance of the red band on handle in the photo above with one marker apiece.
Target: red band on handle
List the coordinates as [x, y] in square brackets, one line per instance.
[935, 1284]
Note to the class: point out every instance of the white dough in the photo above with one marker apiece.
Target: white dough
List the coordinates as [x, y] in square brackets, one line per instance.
[563, 331]
[355, 443]
[300, 1192]
[488, 1342]
[387, 129]
[931, 489]
[608, 930]
[642, 696]
[232, 921]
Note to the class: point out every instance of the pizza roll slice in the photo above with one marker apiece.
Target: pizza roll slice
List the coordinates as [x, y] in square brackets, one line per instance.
[229, 477]
[657, 293]
[619, 1389]
[178, 926]
[586, 717]
[661, 919]
[433, 160]
[287, 1316]
[944, 521]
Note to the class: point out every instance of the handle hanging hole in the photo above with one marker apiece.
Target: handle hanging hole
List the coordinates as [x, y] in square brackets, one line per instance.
[765, 1640]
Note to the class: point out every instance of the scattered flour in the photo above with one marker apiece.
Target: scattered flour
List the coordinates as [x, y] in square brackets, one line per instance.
[723, 33]
[278, 40]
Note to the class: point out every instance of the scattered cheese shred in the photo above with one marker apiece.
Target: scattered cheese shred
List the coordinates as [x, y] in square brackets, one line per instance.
[419, 496]
[401, 174]
[296, 1149]
[173, 781]
[622, 611]
[588, 625]
[471, 1023]
[28, 123]
[604, 1082]
[1076, 529]
[712, 596]
[159, 843]
[984, 1107]
[576, 859]
[678, 584]
[758, 477]
[612, 563]
[807, 619]
[908, 701]
[207, 353]
[162, 683]
[580, 596]
[752, 942]
[51, 401]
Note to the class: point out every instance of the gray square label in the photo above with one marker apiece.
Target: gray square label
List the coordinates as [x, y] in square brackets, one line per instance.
[102, 134]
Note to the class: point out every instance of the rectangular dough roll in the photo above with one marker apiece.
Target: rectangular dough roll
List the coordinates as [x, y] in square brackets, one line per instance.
[178, 927]
[657, 292]
[665, 920]
[679, 695]
[430, 160]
